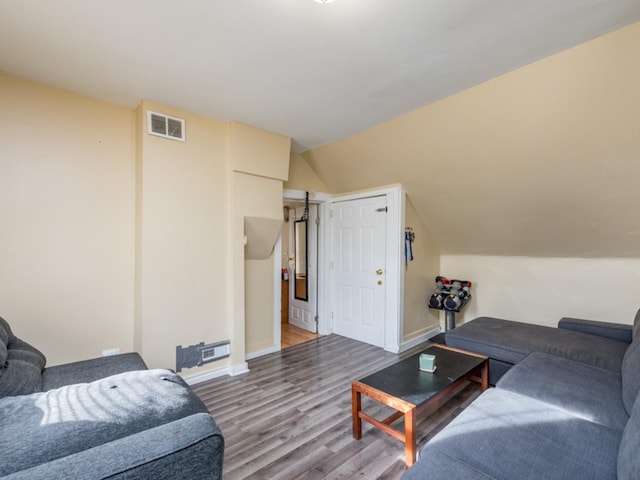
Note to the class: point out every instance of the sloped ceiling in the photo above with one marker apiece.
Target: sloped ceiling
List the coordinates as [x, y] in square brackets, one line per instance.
[542, 161]
[316, 73]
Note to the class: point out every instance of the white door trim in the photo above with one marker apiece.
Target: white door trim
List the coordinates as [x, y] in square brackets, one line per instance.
[394, 312]
[395, 273]
[277, 301]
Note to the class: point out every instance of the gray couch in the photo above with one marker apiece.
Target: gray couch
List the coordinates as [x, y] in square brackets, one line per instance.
[566, 408]
[105, 418]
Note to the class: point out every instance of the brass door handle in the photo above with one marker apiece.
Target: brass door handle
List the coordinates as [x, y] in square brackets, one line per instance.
[379, 271]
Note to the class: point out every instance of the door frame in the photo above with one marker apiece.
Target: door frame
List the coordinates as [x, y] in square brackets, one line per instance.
[323, 305]
[394, 301]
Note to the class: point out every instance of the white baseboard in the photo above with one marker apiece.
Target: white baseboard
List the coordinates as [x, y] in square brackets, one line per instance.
[420, 339]
[230, 370]
[261, 353]
[203, 377]
[238, 369]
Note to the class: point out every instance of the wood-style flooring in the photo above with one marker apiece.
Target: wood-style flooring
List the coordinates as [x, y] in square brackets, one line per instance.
[291, 335]
[290, 416]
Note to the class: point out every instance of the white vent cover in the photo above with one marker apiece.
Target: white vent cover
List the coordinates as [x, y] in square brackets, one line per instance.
[165, 126]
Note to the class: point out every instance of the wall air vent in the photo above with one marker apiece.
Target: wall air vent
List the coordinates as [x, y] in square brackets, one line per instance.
[165, 126]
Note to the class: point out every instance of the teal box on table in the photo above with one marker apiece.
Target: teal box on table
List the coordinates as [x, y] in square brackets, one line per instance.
[427, 362]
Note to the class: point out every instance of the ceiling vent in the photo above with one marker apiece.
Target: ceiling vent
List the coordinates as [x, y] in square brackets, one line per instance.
[165, 126]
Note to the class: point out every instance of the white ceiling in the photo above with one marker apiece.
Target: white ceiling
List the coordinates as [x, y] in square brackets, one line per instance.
[316, 73]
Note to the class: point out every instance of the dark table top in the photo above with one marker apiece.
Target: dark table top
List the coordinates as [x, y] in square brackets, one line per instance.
[406, 381]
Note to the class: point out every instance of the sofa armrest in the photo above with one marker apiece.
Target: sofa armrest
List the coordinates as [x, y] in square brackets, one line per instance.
[614, 331]
[191, 447]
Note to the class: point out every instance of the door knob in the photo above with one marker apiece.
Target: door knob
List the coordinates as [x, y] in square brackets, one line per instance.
[379, 271]
[379, 282]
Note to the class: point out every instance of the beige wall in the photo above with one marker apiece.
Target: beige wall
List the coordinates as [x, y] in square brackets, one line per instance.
[259, 308]
[256, 192]
[419, 279]
[302, 177]
[115, 238]
[542, 161]
[182, 214]
[67, 216]
[543, 290]
[259, 152]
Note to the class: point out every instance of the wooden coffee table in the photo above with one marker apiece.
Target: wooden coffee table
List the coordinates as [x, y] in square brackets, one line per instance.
[407, 389]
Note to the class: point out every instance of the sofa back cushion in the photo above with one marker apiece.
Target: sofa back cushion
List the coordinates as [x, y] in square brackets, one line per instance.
[628, 458]
[6, 335]
[21, 364]
[631, 368]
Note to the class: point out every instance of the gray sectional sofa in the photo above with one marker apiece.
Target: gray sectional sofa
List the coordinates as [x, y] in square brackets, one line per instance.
[565, 405]
[105, 418]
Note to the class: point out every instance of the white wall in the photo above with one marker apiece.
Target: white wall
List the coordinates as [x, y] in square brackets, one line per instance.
[543, 290]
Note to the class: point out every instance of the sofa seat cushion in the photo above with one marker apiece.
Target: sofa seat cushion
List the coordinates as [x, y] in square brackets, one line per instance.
[586, 391]
[440, 465]
[511, 342]
[508, 436]
[188, 448]
[87, 371]
[50, 425]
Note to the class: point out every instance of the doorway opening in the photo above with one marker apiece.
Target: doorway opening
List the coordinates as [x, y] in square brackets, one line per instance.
[299, 279]
[327, 299]
[286, 333]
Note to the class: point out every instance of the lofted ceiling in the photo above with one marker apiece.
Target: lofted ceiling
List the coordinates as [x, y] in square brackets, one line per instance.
[316, 73]
[542, 161]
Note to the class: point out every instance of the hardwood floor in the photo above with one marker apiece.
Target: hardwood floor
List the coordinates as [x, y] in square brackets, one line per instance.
[290, 416]
[291, 335]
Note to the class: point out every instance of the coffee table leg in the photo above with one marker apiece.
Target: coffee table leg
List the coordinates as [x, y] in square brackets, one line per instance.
[410, 437]
[356, 406]
[485, 376]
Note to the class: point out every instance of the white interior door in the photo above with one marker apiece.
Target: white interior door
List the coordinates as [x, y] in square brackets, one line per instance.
[303, 283]
[359, 232]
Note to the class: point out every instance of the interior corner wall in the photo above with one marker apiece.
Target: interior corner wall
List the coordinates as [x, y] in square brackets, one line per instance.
[67, 216]
[302, 177]
[259, 161]
[253, 279]
[183, 215]
[113, 238]
[419, 279]
[543, 290]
